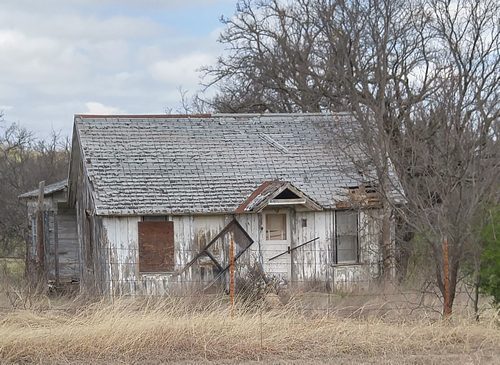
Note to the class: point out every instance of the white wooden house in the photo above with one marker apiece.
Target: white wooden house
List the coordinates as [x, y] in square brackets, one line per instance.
[157, 198]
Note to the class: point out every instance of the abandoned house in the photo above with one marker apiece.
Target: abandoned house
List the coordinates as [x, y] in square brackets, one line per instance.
[60, 256]
[155, 204]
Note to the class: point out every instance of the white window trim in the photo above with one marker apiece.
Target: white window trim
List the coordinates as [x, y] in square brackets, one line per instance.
[358, 249]
[287, 220]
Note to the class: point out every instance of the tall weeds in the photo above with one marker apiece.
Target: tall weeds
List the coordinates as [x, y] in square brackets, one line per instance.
[169, 330]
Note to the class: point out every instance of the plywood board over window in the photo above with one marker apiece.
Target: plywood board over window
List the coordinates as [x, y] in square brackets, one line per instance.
[156, 246]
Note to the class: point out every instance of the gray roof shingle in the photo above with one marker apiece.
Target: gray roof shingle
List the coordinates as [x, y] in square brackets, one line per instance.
[49, 189]
[163, 165]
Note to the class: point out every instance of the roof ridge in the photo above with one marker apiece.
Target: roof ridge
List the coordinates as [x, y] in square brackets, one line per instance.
[208, 115]
[142, 116]
[306, 114]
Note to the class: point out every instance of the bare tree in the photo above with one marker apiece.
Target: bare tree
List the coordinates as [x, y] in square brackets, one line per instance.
[384, 72]
[280, 59]
[24, 161]
[451, 148]
[424, 91]
[421, 79]
[325, 55]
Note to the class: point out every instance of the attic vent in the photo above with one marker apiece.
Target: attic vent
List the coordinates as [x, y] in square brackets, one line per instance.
[273, 143]
[287, 194]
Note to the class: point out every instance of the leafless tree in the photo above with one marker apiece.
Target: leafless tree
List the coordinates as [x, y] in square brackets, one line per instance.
[421, 79]
[24, 161]
[451, 152]
[279, 59]
[429, 103]
[384, 71]
[315, 55]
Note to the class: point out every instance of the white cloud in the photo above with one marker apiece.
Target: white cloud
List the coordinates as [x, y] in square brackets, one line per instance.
[94, 107]
[181, 70]
[60, 57]
[79, 26]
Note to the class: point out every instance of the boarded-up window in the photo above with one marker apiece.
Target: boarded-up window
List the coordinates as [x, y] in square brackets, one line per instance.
[276, 227]
[156, 246]
[346, 226]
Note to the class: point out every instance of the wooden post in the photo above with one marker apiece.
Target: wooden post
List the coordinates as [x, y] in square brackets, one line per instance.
[56, 250]
[40, 230]
[231, 273]
[446, 280]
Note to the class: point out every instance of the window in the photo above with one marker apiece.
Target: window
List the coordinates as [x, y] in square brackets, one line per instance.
[346, 236]
[156, 246]
[276, 227]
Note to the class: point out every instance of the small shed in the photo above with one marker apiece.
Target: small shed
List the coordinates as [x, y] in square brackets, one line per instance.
[60, 257]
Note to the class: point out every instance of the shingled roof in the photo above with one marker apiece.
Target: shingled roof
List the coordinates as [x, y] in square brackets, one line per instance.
[210, 164]
[49, 189]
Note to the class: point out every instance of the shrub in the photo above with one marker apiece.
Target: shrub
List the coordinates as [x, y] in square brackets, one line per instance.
[490, 258]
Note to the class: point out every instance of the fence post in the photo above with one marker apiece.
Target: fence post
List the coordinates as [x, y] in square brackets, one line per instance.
[231, 273]
[40, 234]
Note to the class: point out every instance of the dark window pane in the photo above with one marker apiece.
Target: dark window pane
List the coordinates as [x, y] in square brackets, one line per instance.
[346, 225]
[347, 249]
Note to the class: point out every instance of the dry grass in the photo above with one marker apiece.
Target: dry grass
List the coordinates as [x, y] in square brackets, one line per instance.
[176, 331]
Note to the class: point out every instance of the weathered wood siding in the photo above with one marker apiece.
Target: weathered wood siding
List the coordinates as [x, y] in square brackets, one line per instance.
[91, 239]
[310, 265]
[62, 262]
[191, 234]
[68, 259]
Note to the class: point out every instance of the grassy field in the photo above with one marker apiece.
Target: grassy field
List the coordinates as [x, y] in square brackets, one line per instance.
[182, 331]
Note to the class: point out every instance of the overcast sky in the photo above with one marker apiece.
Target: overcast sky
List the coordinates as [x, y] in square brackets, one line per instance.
[62, 57]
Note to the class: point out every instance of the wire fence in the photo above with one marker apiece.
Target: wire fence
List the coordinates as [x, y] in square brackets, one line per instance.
[321, 294]
[388, 303]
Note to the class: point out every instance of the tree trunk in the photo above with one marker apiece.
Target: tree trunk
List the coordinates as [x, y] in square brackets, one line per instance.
[447, 304]
[477, 283]
[387, 248]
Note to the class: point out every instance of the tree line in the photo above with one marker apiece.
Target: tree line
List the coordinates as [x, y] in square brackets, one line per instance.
[25, 160]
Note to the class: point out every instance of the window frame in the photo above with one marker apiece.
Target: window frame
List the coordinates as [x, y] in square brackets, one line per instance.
[287, 225]
[336, 239]
[155, 218]
[167, 219]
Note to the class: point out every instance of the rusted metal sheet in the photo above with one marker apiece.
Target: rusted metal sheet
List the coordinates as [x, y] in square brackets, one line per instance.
[156, 246]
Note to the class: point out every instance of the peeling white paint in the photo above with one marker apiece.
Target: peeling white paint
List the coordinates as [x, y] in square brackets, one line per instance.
[311, 264]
